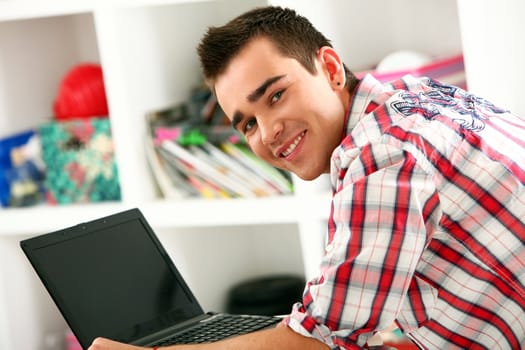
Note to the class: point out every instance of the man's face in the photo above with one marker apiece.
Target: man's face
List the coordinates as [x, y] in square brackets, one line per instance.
[290, 118]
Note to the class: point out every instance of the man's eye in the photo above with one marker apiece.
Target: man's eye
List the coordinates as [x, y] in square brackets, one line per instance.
[276, 97]
[250, 124]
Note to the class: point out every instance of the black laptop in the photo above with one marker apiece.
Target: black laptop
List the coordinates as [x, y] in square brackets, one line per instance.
[111, 277]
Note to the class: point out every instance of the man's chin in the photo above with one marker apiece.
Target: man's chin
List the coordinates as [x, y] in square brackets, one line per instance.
[309, 175]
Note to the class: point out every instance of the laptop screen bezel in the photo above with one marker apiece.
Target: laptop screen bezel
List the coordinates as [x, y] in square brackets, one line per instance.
[32, 245]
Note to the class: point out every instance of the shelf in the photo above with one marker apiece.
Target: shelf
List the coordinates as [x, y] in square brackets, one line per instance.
[147, 51]
[221, 212]
[168, 214]
[29, 9]
[44, 218]
[19, 10]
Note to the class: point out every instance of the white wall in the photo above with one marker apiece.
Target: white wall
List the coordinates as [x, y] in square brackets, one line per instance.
[364, 32]
[494, 50]
[28, 82]
[211, 262]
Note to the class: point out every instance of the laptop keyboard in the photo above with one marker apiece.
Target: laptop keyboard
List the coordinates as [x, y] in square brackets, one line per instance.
[220, 327]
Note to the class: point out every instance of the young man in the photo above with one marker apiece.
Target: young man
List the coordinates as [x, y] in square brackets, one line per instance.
[427, 225]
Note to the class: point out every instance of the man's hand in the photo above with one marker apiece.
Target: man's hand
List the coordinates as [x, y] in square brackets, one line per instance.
[106, 344]
[276, 338]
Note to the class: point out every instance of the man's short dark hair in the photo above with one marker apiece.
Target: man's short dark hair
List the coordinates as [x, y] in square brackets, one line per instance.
[293, 35]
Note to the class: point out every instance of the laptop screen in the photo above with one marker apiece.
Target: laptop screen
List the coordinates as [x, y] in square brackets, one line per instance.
[112, 278]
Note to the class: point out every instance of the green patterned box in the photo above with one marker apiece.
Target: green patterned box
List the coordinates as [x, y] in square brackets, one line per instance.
[80, 163]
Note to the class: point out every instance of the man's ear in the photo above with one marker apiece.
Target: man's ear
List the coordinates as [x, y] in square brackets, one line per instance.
[333, 66]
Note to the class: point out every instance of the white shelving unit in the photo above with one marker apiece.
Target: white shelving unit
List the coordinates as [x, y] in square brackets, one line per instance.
[147, 51]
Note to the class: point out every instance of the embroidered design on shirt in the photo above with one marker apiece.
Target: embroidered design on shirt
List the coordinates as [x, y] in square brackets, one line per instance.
[468, 107]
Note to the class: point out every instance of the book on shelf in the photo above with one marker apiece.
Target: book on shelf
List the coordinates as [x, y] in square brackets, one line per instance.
[192, 180]
[206, 169]
[244, 174]
[163, 178]
[189, 159]
[169, 183]
[269, 174]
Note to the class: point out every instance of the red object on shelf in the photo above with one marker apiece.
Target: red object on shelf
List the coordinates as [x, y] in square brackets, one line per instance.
[81, 94]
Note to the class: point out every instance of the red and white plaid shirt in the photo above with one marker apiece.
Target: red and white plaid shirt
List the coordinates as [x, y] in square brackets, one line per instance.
[427, 226]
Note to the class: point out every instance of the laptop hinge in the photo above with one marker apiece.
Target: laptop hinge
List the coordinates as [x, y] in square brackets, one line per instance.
[156, 337]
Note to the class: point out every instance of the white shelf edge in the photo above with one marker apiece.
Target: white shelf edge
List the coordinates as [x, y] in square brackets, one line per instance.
[122, 4]
[30, 9]
[12, 10]
[168, 214]
[221, 212]
[47, 218]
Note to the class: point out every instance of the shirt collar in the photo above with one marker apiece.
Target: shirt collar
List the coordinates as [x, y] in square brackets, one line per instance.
[367, 90]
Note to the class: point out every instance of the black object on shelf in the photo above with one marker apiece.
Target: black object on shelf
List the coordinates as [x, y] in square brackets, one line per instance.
[269, 295]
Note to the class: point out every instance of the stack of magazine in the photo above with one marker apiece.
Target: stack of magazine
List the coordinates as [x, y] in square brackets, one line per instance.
[212, 161]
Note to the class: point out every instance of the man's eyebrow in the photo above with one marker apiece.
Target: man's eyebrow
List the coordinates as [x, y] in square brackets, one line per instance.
[261, 90]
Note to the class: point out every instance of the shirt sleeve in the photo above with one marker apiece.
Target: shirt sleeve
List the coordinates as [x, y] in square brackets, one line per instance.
[384, 209]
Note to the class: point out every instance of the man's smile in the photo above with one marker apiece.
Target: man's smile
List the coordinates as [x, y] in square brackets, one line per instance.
[292, 146]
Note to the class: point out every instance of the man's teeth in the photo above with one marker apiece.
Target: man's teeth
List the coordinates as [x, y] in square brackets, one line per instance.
[292, 145]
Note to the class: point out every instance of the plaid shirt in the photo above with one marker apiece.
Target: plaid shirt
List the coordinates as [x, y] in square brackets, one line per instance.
[427, 223]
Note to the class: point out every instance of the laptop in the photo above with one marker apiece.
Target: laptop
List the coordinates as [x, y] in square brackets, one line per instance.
[111, 277]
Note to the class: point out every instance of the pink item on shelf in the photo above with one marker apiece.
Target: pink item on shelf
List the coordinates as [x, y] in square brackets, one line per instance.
[450, 70]
[72, 342]
[166, 134]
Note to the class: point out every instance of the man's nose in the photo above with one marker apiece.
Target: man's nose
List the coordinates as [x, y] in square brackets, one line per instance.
[270, 131]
